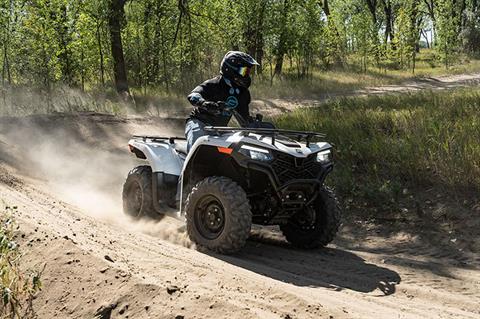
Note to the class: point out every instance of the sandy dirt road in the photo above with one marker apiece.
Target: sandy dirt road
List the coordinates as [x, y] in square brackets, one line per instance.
[274, 107]
[64, 174]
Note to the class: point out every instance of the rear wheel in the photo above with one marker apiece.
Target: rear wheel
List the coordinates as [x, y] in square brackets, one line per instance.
[218, 215]
[317, 225]
[137, 193]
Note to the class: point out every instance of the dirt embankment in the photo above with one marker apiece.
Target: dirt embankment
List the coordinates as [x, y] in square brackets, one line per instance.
[64, 172]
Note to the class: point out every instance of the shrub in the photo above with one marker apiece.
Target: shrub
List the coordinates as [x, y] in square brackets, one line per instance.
[387, 143]
[17, 288]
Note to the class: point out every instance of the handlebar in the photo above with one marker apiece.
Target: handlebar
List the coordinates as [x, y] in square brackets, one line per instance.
[240, 119]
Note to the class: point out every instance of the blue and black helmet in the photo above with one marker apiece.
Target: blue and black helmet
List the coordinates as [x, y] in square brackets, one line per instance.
[236, 66]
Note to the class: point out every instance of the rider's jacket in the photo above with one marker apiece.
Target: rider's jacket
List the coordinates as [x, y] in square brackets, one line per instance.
[215, 90]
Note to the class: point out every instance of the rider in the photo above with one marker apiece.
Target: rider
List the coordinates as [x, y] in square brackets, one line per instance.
[230, 87]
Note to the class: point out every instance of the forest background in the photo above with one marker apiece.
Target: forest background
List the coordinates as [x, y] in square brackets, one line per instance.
[166, 47]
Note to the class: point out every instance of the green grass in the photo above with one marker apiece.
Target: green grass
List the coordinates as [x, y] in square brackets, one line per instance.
[386, 144]
[24, 100]
[17, 288]
[350, 78]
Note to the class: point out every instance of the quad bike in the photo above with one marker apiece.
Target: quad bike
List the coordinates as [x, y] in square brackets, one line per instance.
[235, 177]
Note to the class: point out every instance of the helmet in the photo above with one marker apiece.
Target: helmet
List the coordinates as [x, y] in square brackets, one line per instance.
[236, 67]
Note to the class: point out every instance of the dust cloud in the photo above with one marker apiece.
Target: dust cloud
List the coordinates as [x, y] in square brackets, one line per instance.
[83, 160]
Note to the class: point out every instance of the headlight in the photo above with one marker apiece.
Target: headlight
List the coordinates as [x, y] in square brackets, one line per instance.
[256, 153]
[324, 157]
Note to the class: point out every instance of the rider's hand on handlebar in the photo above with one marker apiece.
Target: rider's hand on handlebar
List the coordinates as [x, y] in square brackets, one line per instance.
[211, 107]
[222, 105]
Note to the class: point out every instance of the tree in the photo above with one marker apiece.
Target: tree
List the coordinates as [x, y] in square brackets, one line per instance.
[281, 48]
[447, 25]
[389, 19]
[6, 12]
[254, 29]
[171, 45]
[115, 21]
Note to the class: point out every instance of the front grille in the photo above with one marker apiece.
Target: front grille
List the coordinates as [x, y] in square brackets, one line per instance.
[288, 167]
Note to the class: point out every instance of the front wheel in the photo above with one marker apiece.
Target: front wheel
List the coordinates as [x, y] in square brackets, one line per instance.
[218, 215]
[317, 225]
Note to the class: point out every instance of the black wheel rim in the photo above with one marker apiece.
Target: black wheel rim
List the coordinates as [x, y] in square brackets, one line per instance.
[209, 217]
[135, 199]
[306, 220]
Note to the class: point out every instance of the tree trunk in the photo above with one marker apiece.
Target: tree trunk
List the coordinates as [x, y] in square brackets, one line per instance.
[253, 35]
[387, 9]
[463, 17]
[259, 42]
[157, 45]
[64, 39]
[281, 48]
[100, 52]
[6, 65]
[82, 71]
[166, 76]
[426, 38]
[431, 12]
[415, 23]
[325, 7]
[372, 7]
[116, 17]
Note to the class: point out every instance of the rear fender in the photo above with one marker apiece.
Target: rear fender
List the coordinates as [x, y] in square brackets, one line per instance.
[161, 156]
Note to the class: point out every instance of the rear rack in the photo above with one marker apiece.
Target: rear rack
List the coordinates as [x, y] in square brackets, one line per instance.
[170, 139]
[274, 133]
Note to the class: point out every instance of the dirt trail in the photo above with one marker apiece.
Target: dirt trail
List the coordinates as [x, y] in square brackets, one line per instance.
[273, 107]
[64, 172]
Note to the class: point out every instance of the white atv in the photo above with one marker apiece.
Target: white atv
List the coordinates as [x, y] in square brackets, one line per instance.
[235, 177]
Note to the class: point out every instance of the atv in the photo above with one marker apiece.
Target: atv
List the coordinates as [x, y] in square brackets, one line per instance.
[235, 177]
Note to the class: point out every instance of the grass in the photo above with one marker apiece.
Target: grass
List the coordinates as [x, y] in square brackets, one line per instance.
[388, 145]
[21, 100]
[350, 78]
[16, 287]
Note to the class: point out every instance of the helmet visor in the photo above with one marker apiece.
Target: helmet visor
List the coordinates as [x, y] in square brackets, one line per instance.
[244, 71]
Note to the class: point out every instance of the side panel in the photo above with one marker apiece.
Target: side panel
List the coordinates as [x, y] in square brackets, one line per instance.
[205, 142]
[162, 157]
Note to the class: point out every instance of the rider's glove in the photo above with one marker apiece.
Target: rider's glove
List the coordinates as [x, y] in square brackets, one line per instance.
[211, 106]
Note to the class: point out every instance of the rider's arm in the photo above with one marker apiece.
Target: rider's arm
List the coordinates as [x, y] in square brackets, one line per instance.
[205, 92]
[195, 98]
[202, 97]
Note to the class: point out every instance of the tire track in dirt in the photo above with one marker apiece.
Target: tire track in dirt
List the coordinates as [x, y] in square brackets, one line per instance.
[345, 284]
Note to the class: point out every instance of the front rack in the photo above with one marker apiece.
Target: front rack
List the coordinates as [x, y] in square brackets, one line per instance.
[274, 133]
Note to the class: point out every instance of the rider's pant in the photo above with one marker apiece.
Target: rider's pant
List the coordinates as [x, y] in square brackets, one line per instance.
[193, 130]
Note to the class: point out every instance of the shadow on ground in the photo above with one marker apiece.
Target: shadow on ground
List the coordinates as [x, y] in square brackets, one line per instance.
[327, 267]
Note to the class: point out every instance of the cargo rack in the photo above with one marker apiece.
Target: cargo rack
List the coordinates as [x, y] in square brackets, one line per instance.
[273, 133]
[171, 139]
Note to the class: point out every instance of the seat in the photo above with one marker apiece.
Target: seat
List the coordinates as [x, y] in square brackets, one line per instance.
[180, 146]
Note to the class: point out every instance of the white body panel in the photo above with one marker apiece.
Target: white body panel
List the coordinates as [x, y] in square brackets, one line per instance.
[300, 150]
[161, 156]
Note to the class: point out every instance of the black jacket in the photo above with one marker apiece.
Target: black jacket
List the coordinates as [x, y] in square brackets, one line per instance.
[215, 90]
